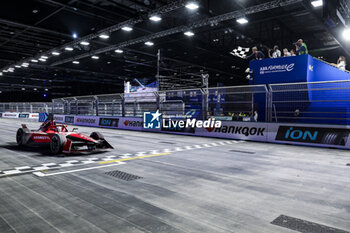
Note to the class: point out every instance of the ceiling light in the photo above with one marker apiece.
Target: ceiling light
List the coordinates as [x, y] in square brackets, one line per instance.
[0, 73]
[55, 53]
[34, 60]
[46, 89]
[149, 43]
[84, 43]
[23, 89]
[127, 28]
[192, 5]
[104, 36]
[17, 66]
[68, 48]
[42, 59]
[35, 89]
[346, 34]
[155, 18]
[242, 20]
[75, 35]
[76, 62]
[317, 3]
[11, 70]
[119, 51]
[189, 33]
[25, 64]
[95, 57]
[5, 71]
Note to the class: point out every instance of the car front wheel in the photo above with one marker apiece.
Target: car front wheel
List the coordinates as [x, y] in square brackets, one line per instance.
[57, 144]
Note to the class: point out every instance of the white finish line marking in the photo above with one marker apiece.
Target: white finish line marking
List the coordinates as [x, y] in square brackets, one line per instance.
[21, 170]
[41, 174]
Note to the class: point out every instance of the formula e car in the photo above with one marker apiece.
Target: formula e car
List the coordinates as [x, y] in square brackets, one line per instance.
[59, 139]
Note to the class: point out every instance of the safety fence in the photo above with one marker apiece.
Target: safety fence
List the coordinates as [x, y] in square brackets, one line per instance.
[314, 102]
[223, 102]
[27, 107]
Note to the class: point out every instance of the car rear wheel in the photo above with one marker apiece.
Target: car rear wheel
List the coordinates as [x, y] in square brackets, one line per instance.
[20, 136]
[96, 136]
[57, 144]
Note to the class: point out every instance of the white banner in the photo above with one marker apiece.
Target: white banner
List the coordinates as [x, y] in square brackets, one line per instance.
[10, 115]
[86, 120]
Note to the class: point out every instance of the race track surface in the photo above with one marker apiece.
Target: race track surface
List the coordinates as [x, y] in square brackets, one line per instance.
[170, 183]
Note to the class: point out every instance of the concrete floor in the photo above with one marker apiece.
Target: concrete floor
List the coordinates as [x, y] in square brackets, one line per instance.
[221, 187]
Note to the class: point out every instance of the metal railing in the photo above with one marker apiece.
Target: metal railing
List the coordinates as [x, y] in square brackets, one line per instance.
[315, 102]
[34, 107]
[200, 102]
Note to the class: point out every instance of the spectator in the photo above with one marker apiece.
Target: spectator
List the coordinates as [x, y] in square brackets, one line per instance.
[256, 55]
[341, 63]
[255, 116]
[292, 53]
[301, 47]
[286, 53]
[276, 52]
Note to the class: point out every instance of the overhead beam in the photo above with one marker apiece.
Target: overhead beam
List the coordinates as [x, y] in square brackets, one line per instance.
[161, 10]
[201, 23]
[33, 28]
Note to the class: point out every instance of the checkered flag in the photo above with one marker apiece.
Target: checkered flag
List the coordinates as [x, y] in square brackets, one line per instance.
[240, 52]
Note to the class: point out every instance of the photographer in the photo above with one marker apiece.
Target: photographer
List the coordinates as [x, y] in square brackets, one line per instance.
[301, 47]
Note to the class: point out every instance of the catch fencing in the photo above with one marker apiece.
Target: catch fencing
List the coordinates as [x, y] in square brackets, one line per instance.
[313, 102]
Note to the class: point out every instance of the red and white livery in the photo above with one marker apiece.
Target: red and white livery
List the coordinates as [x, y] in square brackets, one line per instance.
[59, 139]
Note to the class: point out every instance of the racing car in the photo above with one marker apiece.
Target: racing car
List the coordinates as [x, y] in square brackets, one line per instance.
[59, 139]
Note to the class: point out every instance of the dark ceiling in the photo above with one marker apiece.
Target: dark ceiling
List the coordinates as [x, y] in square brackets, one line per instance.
[33, 28]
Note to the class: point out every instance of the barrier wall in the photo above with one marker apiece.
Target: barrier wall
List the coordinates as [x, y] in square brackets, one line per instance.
[19, 115]
[299, 134]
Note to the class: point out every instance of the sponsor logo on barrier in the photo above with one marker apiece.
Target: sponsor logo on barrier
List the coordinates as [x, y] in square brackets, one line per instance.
[86, 120]
[58, 118]
[21, 115]
[112, 122]
[277, 68]
[328, 136]
[10, 114]
[133, 123]
[246, 131]
[69, 119]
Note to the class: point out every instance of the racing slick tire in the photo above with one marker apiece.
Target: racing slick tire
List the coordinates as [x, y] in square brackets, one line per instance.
[57, 144]
[20, 136]
[96, 136]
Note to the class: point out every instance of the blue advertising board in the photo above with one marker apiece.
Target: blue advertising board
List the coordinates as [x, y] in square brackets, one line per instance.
[319, 102]
[279, 70]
